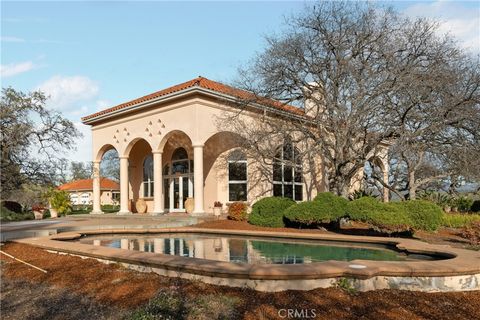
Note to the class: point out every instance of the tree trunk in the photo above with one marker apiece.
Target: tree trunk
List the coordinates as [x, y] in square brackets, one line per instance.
[412, 187]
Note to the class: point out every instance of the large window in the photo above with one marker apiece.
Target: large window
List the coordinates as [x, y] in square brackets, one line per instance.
[148, 177]
[287, 173]
[237, 176]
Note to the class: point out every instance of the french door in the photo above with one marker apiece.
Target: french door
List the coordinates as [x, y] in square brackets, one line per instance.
[177, 189]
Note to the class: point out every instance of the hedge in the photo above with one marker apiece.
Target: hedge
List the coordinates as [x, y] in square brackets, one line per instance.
[423, 215]
[452, 220]
[325, 208]
[268, 212]
[386, 217]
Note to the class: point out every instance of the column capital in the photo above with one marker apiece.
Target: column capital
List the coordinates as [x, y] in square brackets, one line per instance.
[198, 145]
[123, 157]
[157, 152]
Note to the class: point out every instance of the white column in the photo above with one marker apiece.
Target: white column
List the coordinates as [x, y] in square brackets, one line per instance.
[124, 186]
[198, 179]
[96, 188]
[157, 183]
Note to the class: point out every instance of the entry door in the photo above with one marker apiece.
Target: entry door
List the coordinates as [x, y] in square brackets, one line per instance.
[179, 189]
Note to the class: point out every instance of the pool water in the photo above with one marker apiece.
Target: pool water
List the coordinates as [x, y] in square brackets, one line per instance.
[240, 249]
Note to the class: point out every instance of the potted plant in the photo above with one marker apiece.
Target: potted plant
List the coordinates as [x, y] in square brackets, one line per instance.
[217, 208]
[38, 211]
[59, 201]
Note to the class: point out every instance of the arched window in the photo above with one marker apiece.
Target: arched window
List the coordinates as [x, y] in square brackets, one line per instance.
[287, 173]
[237, 176]
[148, 177]
[180, 162]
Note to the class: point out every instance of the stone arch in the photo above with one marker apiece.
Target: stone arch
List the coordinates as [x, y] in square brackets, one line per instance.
[167, 136]
[131, 144]
[103, 150]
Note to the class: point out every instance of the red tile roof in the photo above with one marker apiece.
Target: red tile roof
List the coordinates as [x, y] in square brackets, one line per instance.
[87, 184]
[202, 83]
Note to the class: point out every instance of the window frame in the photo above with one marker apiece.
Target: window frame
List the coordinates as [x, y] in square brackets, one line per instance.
[296, 166]
[237, 182]
[147, 185]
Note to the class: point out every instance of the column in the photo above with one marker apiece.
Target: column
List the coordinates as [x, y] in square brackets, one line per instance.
[124, 186]
[198, 179]
[96, 188]
[157, 183]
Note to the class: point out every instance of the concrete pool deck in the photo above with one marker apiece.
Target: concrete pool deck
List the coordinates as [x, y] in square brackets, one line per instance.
[458, 271]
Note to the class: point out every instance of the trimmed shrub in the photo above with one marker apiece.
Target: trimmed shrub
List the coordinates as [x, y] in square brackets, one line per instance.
[237, 211]
[325, 208]
[12, 206]
[385, 217]
[268, 212]
[424, 215]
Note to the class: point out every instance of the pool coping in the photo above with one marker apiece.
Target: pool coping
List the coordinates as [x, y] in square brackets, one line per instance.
[462, 262]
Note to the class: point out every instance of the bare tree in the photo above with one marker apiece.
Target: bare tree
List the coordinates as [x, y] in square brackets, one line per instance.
[32, 138]
[364, 75]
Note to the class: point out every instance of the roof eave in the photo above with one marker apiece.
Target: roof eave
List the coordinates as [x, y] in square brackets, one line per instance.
[180, 93]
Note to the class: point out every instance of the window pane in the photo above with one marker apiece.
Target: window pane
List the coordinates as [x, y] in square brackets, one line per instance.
[180, 167]
[237, 171]
[277, 190]
[298, 175]
[237, 192]
[287, 174]
[287, 151]
[166, 170]
[299, 193]
[151, 189]
[145, 189]
[288, 191]
[179, 154]
[148, 168]
[277, 172]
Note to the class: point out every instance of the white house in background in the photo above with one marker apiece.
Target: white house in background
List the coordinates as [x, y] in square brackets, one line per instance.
[81, 191]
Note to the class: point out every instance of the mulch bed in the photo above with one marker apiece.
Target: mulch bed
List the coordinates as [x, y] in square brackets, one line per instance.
[117, 287]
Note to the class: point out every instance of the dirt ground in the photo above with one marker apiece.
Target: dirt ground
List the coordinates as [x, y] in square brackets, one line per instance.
[76, 288]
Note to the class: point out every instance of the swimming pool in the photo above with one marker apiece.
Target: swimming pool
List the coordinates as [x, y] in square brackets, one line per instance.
[251, 250]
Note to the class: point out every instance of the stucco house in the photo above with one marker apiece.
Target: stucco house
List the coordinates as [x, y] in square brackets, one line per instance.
[171, 148]
[81, 191]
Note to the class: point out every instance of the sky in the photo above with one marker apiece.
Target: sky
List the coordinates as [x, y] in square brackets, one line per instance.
[88, 56]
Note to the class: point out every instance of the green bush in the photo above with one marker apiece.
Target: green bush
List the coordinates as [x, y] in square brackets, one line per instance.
[237, 211]
[12, 206]
[325, 208]
[452, 220]
[7, 215]
[268, 212]
[463, 204]
[110, 208]
[385, 217]
[424, 215]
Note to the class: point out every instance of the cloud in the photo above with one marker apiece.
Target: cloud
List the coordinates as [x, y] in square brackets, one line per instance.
[12, 69]
[11, 39]
[455, 19]
[66, 92]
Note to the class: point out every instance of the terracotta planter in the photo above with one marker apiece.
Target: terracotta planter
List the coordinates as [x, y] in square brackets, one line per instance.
[189, 205]
[217, 211]
[53, 213]
[38, 215]
[141, 206]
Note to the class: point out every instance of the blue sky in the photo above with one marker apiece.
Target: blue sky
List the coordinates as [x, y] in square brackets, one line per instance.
[91, 55]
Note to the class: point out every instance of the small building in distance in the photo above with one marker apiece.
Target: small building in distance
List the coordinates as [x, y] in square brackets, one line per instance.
[81, 191]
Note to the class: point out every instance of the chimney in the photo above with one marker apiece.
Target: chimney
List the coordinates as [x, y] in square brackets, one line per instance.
[314, 104]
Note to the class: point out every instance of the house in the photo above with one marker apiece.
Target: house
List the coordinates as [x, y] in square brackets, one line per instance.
[81, 191]
[171, 148]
